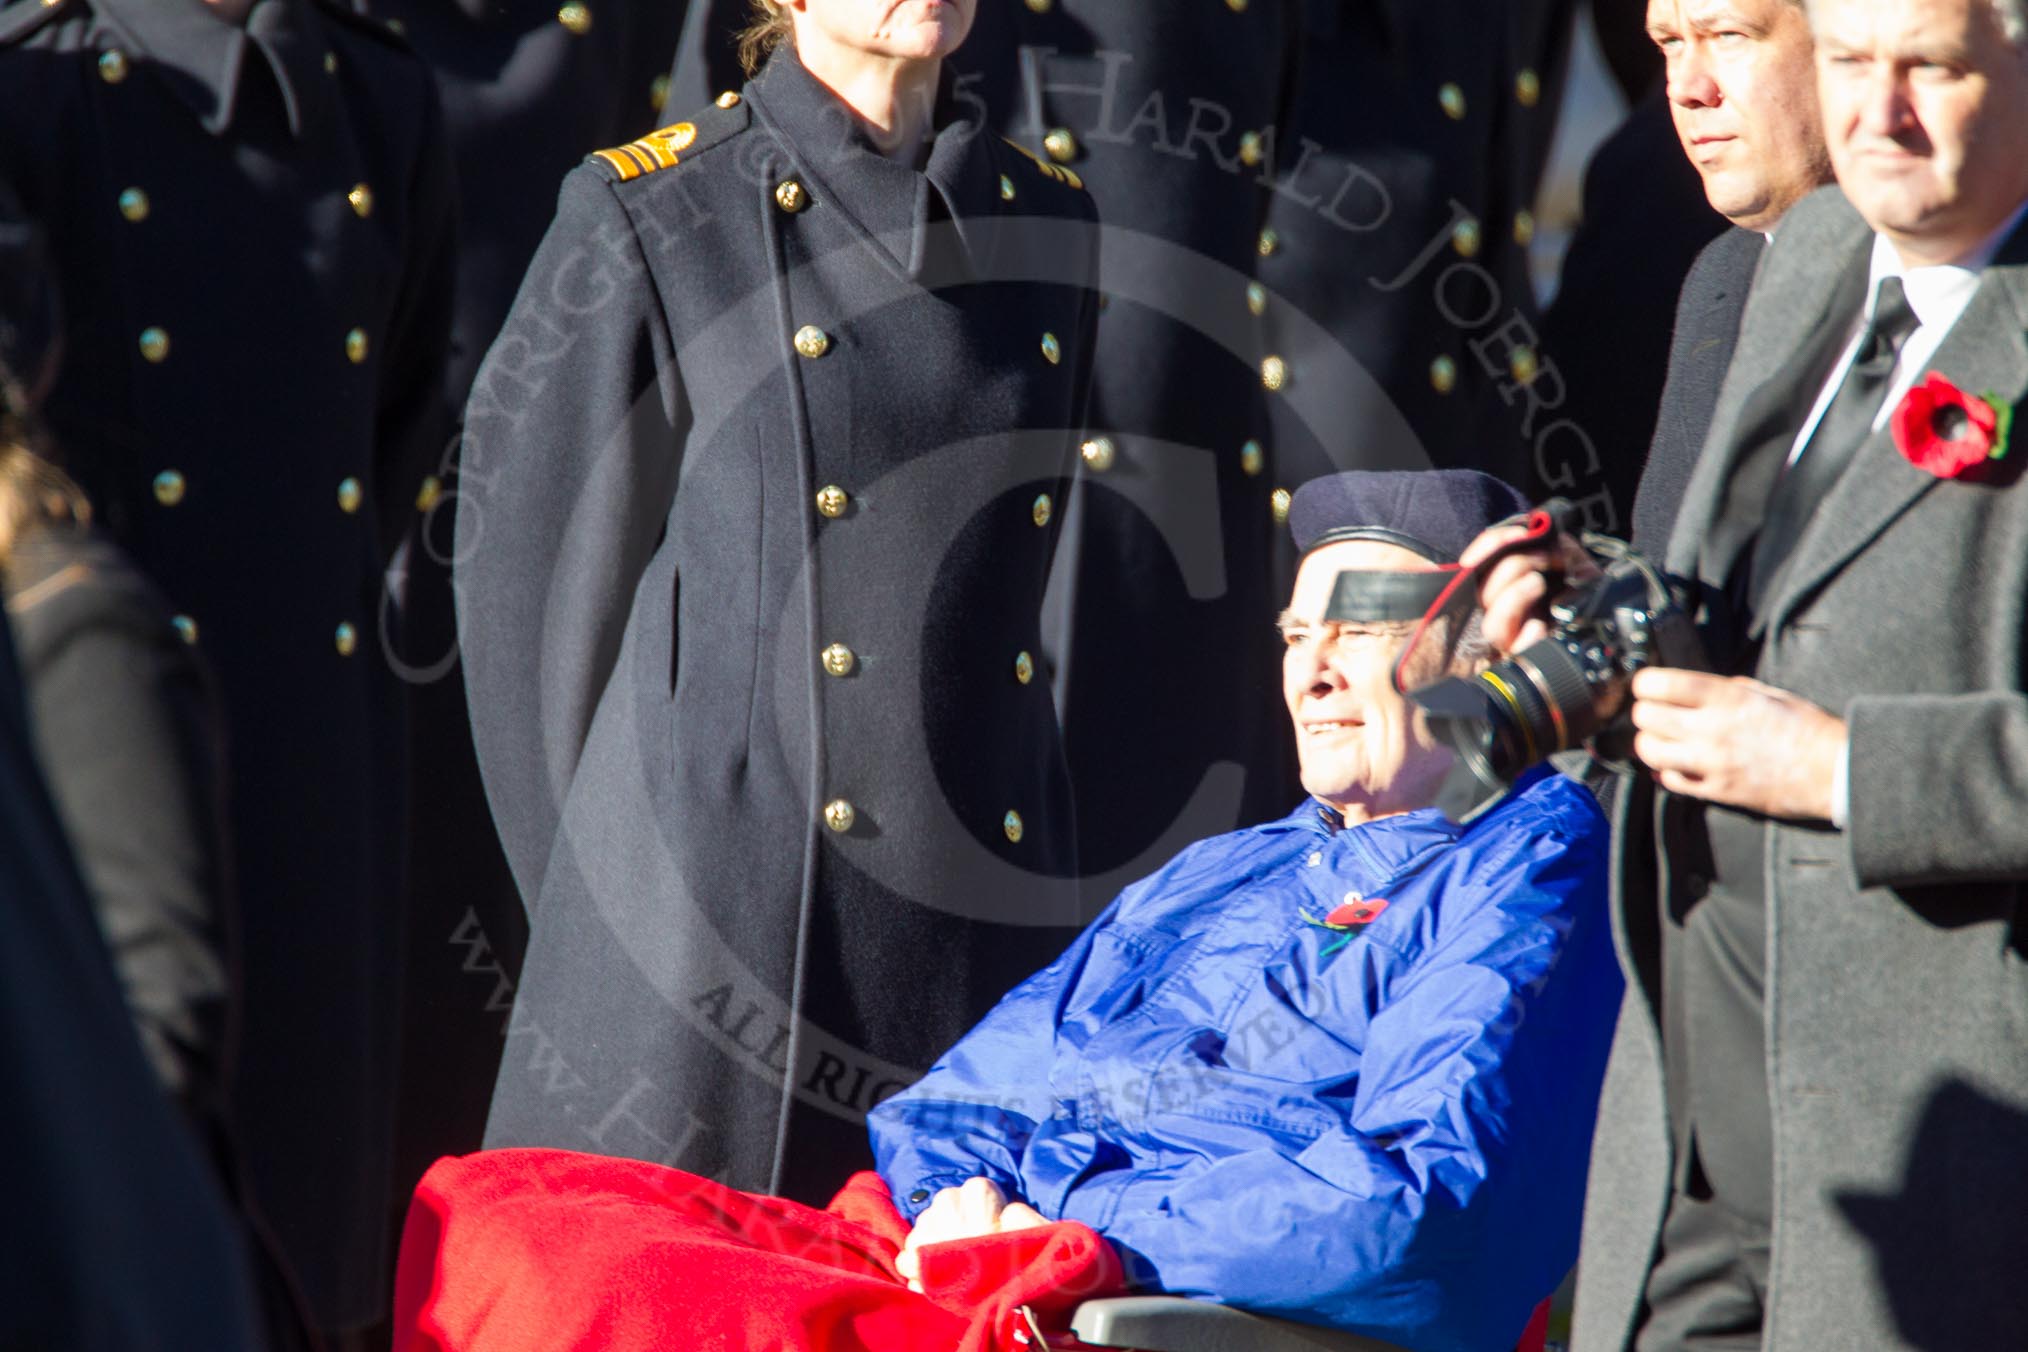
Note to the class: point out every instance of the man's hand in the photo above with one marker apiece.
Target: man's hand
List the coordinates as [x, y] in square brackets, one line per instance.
[1515, 592]
[977, 1208]
[1732, 740]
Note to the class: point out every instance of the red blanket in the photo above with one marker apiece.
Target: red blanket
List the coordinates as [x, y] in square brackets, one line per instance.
[552, 1251]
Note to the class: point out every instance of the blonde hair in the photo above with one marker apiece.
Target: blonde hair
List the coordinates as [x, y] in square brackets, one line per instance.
[33, 491]
[768, 28]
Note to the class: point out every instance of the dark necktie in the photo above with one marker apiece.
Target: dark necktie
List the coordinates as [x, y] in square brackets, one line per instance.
[1844, 428]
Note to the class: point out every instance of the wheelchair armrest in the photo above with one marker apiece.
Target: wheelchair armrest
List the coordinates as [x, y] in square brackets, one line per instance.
[1174, 1324]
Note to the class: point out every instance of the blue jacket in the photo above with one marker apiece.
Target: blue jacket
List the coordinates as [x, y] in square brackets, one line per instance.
[1384, 1129]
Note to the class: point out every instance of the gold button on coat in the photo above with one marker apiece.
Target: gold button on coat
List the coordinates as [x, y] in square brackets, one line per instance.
[1278, 503]
[1236, 6]
[1098, 454]
[134, 205]
[1274, 372]
[1527, 88]
[349, 495]
[1006, 188]
[1256, 298]
[1249, 148]
[832, 501]
[1524, 228]
[1024, 668]
[1465, 238]
[361, 198]
[1060, 145]
[728, 99]
[113, 66]
[839, 815]
[812, 341]
[330, 63]
[346, 640]
[1252, 459]
[790, 197]
[1052, 351]
[431, 492]
[1443, 375]
[1524, 364]
[1452, 100]
[356, 346]
[575, 16]
[1011, 824]
[658, 93]
[187, 627]
[1039, 6]
[169, 488]
[1041, 511]
[154, 344]
[1269, 241]
[838, 660]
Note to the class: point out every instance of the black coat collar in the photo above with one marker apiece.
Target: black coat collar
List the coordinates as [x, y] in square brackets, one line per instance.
[892, 202]
[199, 56]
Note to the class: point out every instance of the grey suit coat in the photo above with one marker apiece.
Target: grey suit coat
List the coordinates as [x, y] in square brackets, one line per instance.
[1897, 1009]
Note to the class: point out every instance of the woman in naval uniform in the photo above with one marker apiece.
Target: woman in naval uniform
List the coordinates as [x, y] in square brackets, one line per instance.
[760, 490]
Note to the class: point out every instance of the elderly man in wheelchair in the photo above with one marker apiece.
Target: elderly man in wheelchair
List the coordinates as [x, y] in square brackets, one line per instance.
[1338, 1070]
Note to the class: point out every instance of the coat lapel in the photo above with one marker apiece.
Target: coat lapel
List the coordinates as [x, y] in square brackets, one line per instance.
[1791, 298]
[1983, 354]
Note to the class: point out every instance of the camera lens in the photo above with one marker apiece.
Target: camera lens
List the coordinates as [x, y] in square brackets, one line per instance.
[1505, 719]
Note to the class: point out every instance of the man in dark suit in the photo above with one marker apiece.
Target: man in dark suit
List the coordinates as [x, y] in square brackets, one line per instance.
[247, 206]
[1742, 94]
[1810, 1135]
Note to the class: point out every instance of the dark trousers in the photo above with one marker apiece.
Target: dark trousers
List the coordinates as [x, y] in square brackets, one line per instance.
[1708, 1289]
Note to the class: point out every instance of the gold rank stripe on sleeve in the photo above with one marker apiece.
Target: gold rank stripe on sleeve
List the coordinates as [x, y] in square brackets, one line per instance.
[1049, 170]
[656, 150]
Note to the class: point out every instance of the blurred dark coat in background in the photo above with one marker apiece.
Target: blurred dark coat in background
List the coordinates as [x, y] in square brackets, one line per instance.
[115, 1238]
[1707, 329]
[254, 254]
[529, 88]
[127, 726]
[1608, 329]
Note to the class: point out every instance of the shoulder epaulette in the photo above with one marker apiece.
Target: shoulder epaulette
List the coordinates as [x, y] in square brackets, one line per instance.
[19, 19]
[667, 146]
[1049, 168]
[390, 31]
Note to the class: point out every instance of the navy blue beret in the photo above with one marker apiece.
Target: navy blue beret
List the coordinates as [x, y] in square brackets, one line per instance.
[1435, 512]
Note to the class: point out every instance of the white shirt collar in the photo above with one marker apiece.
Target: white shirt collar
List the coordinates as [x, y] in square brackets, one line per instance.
[1938, 293]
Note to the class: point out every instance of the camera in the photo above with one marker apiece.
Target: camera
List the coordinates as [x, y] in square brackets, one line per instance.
[1566, 688]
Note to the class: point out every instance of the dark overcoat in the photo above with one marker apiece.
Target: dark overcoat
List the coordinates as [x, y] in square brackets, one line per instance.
[127, 725]
[760, 487]
[117, 1239]
[1634, 390]
[1261, 168]
[250, 230]
[1395, 289]
[1700, 350]
[1167, 112]
[529, 88]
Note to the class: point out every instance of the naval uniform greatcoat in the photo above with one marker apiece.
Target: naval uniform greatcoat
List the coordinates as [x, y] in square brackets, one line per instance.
[760, 487]
[250, 227]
